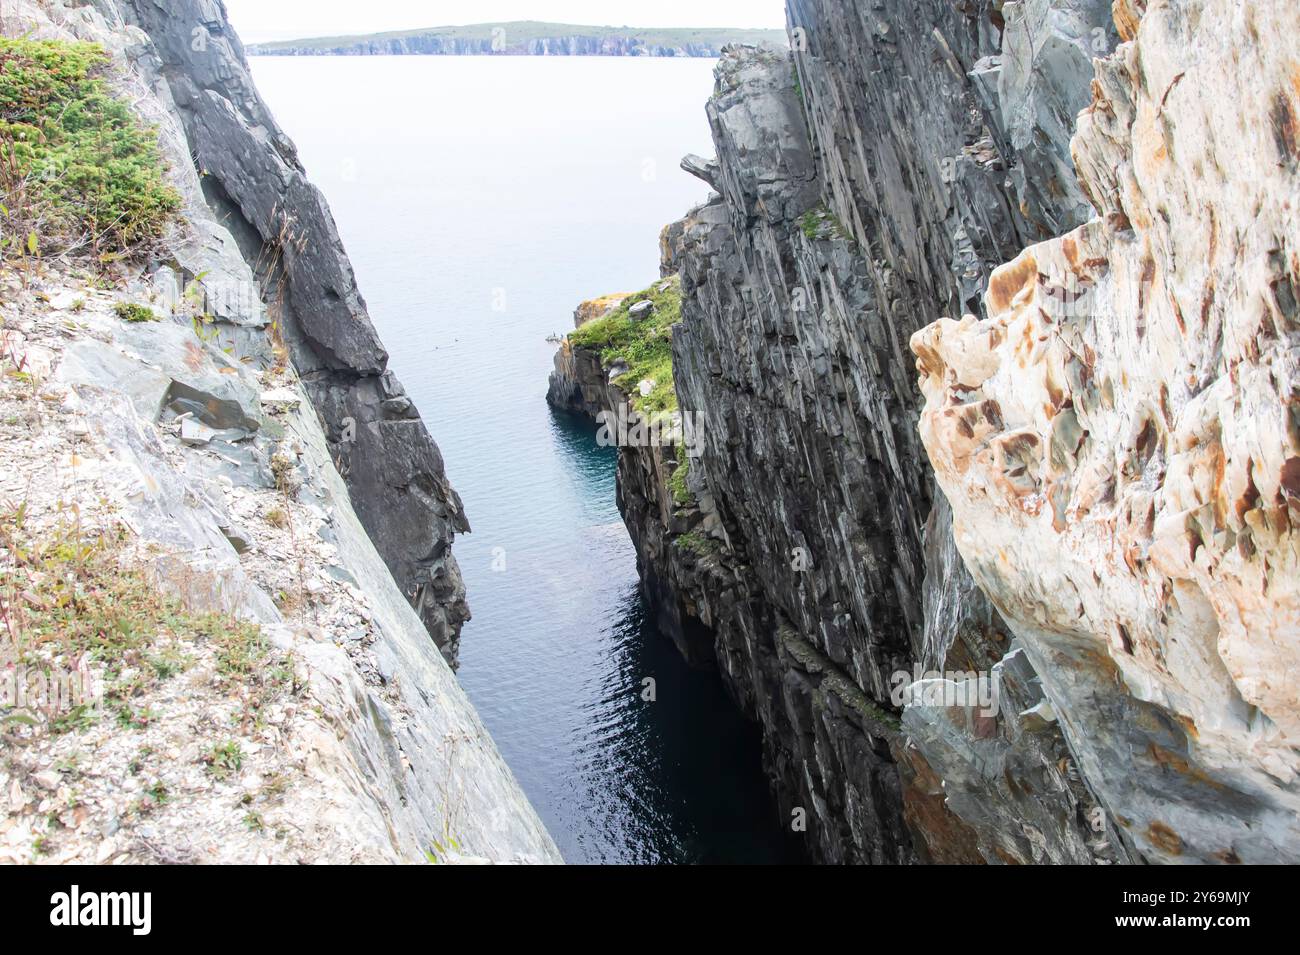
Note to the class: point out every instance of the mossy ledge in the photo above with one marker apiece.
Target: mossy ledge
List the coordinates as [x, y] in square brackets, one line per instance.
[643, 345]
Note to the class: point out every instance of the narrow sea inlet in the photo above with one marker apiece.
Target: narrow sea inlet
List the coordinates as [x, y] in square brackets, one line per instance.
[480, 200]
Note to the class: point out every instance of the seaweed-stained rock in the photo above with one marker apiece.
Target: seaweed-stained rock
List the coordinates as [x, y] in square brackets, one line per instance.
[1119, 437]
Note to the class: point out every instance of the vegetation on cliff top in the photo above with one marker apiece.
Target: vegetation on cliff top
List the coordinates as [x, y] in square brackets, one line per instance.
[645, 345]
[77, 168]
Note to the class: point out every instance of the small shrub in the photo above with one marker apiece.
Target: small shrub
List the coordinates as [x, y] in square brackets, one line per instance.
[76, 165]
[821, 223]
[224, 759]
[129, 312]
[697, 543]
[677, 485]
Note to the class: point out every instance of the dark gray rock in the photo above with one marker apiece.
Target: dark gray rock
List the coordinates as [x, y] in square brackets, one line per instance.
[865, 188]
[254, 182]
[706, 170]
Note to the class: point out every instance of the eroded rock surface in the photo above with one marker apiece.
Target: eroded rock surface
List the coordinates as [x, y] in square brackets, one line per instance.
[1120, 442]
[208, 458]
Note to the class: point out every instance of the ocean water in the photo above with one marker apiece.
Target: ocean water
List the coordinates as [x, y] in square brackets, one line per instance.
[480, 200]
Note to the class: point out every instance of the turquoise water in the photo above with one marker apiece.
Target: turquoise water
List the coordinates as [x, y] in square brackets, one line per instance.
[480, 200]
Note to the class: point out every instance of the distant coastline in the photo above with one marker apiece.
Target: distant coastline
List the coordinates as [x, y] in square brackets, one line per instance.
[526, 38]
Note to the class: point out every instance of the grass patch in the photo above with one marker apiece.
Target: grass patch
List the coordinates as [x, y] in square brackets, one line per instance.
[696, 543]
[77, 168]
[646, 346]
[134, 314]
[677, 485]
[821, 223]
[223, 760]
[62, 596]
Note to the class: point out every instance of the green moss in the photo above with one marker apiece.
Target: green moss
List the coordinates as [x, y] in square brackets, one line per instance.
[697, 543]
[646, 345]
[75, 163]
[677, 485]
[821, 223]
[135, 314]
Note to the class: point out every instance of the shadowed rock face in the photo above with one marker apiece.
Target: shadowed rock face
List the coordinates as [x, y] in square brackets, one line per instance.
[254, 182]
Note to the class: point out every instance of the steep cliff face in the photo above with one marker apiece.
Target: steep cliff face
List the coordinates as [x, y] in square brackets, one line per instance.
[335, 732]
[254, 182]
[1117, 439]
[864, 190]
[863, 193]
[1120, 437]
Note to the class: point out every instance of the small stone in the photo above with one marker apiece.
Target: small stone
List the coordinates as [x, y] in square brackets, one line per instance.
[240, 538]
[281, 398]
[399, 407]
[641, 310]
[195, 433]
[105, 851]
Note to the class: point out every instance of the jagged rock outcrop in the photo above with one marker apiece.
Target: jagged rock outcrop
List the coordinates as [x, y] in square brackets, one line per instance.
[865, 190]
[206, 456]
[1120, 437]
[256, 185]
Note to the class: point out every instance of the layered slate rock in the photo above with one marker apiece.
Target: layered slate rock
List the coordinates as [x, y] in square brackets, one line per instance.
[866, 188]
[1120, 437]
[254, 182]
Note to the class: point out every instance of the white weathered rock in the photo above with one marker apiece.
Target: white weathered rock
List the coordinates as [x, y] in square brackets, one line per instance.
[1120, 439]
[371, 772]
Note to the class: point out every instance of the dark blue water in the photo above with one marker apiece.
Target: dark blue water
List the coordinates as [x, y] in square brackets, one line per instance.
[480, 200]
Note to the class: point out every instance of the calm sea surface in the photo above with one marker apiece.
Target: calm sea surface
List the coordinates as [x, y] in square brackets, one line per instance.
[480, 200]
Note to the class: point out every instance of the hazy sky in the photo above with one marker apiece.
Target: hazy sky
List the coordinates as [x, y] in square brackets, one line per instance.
[294, 19]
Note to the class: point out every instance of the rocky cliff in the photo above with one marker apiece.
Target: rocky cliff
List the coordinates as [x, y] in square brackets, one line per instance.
[458, 46]
[524, 38]
[1119, 436]
[867, 188]
[180, 426]
[255, 184]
